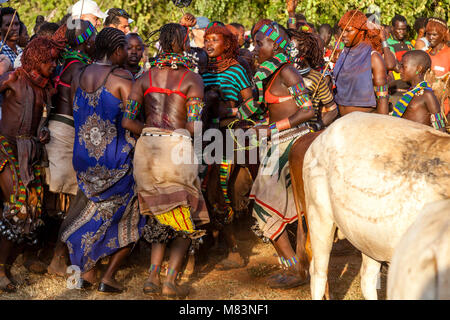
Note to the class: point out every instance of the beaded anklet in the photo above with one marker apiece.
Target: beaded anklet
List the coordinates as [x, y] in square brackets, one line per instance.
[156, 268]
[289, 262]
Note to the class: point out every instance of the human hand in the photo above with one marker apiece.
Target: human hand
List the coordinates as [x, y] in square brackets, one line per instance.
[44, 135]
[383, 33]
[291, 5]
[188, 20]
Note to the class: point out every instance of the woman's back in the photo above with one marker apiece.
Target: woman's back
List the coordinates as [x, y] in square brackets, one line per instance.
[100, 139]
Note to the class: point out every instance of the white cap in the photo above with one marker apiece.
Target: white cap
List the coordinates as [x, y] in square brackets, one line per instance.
[88, 7]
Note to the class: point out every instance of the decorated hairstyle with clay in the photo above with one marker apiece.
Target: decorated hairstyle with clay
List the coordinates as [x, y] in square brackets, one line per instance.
[359, 21]
[230, 41]
[40, 50]
[440, 26]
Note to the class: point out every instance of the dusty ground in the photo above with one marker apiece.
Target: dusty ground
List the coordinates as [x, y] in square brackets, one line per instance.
[207, 283]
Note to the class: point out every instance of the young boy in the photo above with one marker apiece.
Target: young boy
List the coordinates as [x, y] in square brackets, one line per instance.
[419, 104]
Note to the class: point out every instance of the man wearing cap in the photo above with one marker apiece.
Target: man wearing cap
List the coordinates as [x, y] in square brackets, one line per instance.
[118, 19]
[88, 10]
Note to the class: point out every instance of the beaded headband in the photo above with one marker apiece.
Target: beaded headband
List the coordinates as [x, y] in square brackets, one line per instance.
[438, 21]
[273, 35]
[87, 34]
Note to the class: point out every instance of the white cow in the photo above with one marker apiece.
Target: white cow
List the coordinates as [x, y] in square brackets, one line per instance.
[370, 175]
[420, 267]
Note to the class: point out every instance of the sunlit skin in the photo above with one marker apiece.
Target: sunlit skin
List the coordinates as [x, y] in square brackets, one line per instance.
[215, 47]
[265, 49]
[166, 113]
[437, 40]
[351, 38]
[96, 21]
[421, 106]
[62, 98]
[123, 25]
[12, 111]
[400, 30]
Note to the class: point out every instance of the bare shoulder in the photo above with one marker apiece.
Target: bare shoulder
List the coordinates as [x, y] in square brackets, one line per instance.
[195, 77]
[290, 75]
[123, 74]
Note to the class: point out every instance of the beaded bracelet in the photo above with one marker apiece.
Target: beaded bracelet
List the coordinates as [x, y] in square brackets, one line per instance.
[279, 126]
[437, 120]
[132, 109]
[194, 109]
[301, 98]
[292, 21]
[381, 91]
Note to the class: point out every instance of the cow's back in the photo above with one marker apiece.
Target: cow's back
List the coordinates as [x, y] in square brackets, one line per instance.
[376, 173]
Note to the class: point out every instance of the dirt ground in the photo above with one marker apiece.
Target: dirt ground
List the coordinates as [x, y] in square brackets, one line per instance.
[207, 283]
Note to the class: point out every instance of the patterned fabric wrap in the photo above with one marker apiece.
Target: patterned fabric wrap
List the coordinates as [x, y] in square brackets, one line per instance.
[300, 95]
[402, 104]
[20, 219]
[194, 109]
[87, 34]
[274, 205]
[132, 110]
[102, 159]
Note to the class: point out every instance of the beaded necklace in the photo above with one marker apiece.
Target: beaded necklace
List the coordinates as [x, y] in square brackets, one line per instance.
[173, 60]
[69, 53]
[402, 104]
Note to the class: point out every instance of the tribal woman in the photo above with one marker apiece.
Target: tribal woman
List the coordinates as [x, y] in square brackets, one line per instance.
[27, 93]
[308, 60]
[360, 74]
[280, 86]
[60, 175]
[104, 219]
[227, 81]
[169, 96]
[439, 35]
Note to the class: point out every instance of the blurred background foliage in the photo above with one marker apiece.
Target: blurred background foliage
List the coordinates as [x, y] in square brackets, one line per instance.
[149, 15]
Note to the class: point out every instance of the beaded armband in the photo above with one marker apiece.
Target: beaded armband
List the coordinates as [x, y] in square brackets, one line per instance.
[132, 110]
[279, 126]
[246, 109]
[292, 20]
[300, 95]
[194, 109]
[381, 91]
[437, 120]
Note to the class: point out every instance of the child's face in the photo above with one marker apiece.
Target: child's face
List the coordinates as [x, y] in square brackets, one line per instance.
[408, 70]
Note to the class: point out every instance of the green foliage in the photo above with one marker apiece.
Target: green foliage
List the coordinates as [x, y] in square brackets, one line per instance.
[152, 14]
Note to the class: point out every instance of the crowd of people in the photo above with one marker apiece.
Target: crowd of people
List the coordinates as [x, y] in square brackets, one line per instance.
[90, 123]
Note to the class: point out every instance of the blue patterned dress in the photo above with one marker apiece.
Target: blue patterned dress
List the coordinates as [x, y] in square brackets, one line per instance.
[102, 159]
